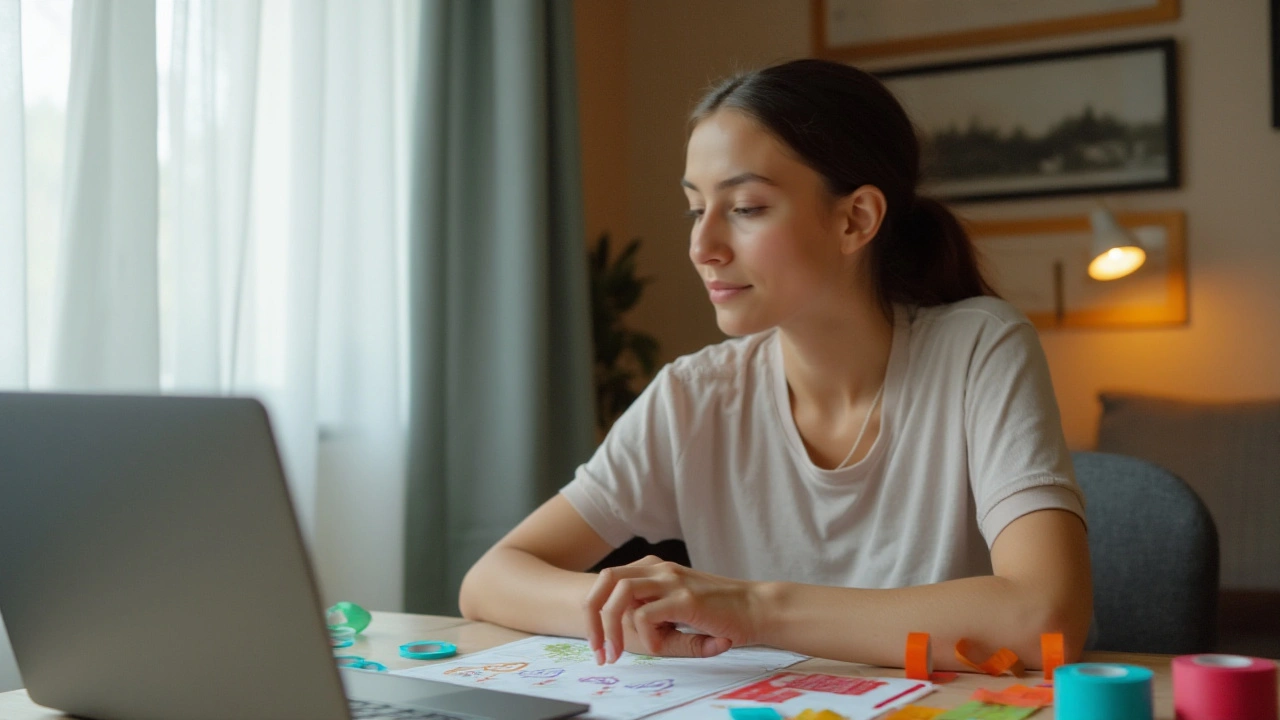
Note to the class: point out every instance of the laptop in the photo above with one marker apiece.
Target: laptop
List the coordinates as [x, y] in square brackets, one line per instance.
[151, 568]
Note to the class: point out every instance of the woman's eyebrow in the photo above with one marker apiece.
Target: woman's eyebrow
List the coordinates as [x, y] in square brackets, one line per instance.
[739, 179]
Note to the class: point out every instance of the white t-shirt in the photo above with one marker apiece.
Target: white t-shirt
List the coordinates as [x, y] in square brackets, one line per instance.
[970, 440]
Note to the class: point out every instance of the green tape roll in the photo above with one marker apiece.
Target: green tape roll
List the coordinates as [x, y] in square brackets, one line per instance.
[348, 615]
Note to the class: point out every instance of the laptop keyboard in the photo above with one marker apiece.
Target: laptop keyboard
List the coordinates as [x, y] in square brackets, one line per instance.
[364, 710]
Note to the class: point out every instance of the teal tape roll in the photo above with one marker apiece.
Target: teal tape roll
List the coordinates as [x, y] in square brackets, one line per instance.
[341, 636]
[428, 650]
[349, 660]
[1102, 691]
[371, 666]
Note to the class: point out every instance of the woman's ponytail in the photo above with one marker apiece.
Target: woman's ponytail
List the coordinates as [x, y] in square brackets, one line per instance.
[926, 258]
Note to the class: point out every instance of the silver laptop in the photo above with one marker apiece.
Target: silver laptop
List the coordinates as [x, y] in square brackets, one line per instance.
[151, 569]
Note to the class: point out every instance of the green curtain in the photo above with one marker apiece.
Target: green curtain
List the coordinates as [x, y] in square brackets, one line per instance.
[500, 411]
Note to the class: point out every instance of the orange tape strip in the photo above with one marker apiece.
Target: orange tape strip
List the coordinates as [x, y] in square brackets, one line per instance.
[1053, 653]
[1002, 661]
[919, 662]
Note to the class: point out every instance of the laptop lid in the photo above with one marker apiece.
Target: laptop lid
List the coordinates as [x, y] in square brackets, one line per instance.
[151, 568]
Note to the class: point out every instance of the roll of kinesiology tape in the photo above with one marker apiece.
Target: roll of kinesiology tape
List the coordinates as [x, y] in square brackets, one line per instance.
[348, 614]
[1224, 687]
[1102, 691]
[1053, 653]
[919, 659]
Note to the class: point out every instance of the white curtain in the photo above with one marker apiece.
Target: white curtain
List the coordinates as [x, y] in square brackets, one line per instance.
[13, 233]
[233, 221]
[13, 262]
[106, 335]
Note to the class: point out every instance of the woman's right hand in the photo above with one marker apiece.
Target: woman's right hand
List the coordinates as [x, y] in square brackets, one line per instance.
[642, 606]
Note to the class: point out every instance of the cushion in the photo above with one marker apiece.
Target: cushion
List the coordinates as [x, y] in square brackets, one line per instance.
[1229, 453]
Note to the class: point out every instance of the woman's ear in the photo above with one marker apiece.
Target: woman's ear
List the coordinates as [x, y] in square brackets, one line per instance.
[861, 213]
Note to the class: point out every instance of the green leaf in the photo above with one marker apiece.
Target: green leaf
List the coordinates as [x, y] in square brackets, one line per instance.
[645, 348]
[618, 350]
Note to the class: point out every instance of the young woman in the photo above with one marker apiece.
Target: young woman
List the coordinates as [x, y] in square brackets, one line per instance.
[877, 451]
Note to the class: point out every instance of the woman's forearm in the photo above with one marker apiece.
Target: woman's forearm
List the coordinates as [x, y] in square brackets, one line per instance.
[871, 626]
[513, 588]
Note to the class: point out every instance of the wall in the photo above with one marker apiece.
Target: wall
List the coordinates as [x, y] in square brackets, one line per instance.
[1230, 192]
[603, 112]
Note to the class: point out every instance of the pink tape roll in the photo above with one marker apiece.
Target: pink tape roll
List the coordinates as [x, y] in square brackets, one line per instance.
[1223, 687]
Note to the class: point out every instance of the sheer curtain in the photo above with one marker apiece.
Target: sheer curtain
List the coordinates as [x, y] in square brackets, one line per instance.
[13, 231]
[230, 218]
[13, 255]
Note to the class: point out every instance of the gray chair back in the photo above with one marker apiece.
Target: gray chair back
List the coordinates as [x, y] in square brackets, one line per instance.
[1154, 549]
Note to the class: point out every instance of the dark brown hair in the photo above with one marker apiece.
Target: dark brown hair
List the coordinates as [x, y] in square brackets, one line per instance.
[847, 126]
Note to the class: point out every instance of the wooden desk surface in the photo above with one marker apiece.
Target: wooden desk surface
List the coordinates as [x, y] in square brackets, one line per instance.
[388, 631]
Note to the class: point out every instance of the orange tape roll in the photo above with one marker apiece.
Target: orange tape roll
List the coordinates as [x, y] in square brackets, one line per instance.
[919, 662]
[1053, 653]
[1002, 661]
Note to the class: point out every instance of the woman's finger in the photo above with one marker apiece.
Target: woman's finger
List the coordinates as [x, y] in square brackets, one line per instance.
[599, 594]
[628, 593]
[591, 606]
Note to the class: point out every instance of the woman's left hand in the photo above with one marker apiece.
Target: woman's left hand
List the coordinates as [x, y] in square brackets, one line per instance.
[637, 607]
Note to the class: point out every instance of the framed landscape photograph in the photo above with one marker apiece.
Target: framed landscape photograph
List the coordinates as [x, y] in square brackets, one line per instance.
[1275, 64]
[857, 29]
[1092, 120]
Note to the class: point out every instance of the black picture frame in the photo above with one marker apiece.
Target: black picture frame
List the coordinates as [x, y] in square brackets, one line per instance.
[1275, 64]
[1079, 121]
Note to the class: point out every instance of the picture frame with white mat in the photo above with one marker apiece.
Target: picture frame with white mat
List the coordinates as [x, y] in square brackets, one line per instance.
[1040, 265]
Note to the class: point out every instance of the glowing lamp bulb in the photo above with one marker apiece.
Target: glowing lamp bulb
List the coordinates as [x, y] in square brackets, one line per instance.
[1117, 262]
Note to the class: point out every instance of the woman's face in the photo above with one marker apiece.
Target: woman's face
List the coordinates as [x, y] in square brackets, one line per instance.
[766, 236]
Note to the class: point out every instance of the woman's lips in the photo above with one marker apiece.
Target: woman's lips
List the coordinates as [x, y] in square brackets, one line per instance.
[721, 292]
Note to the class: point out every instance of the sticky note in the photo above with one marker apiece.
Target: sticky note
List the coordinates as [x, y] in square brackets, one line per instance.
[760, 713]
[1018, 695]
[985, 711]
[819, 715]
[916, 712]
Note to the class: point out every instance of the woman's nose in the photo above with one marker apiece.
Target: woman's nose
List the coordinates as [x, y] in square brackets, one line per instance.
[707, 241]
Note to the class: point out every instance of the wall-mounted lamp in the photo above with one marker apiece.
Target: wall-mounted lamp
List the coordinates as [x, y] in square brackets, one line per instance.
[1116, 251]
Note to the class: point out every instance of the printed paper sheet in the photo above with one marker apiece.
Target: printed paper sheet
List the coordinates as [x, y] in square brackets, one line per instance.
[790, 693]
[634, 687]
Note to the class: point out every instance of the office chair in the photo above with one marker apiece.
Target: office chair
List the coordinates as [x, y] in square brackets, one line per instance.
[1154, 549]
[637, 547]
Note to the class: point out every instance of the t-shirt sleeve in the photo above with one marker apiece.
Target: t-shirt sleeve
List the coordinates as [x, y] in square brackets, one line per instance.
[627, 488]
[1018, 457]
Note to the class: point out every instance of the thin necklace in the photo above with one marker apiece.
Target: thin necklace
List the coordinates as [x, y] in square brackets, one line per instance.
[865, 421]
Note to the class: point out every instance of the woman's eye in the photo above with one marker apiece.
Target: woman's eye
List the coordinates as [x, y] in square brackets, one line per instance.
[748, 211]
[694, 213]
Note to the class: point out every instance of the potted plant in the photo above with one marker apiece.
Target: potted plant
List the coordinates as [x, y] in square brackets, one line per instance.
[624, 358]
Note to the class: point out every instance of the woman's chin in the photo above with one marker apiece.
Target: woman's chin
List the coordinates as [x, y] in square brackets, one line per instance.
[735, 325]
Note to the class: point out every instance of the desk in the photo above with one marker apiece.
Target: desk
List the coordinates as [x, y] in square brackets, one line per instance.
[382, 639]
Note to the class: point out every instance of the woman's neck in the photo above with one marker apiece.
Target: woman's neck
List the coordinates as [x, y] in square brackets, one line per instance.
[837, 362]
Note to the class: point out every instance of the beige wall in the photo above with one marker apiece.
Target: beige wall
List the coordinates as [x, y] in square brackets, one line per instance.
[1230, 192]
[601, 28]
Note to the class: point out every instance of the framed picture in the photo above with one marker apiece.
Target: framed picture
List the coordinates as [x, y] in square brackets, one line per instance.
[1081, 121]
[858, 29]
[1275, 64]
[1041, 267]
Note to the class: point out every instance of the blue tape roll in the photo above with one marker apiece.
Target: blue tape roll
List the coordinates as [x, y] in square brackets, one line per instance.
[371, 666]
[351, 661]
[428, 650]
[1102, 691]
